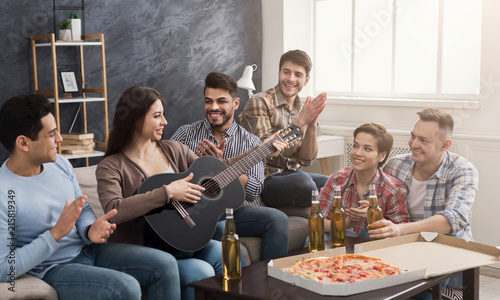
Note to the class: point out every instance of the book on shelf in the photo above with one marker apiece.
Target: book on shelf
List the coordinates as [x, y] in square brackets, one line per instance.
[78, 147]
[77, 136]
[75, 152]
[78, 142]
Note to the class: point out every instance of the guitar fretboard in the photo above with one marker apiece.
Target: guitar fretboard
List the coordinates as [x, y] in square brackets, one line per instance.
[291, 134]
[234, 171]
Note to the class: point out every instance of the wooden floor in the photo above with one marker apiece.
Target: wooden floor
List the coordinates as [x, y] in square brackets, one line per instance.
[489, 284]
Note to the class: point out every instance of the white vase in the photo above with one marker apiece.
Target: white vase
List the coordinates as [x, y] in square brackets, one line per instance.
[76, 29]
[65, 35]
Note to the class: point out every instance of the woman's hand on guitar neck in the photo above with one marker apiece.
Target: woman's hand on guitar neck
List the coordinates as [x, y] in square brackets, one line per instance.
[183, 190]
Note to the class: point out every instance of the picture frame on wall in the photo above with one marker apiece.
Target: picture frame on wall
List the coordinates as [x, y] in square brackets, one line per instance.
[68, 80]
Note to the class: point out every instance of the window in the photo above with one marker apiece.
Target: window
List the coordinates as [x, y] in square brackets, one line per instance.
[427, 49]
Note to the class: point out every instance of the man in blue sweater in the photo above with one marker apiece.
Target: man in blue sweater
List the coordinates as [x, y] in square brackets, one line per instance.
[54, 239]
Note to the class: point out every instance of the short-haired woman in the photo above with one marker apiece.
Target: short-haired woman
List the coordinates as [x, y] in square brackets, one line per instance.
[371, 147]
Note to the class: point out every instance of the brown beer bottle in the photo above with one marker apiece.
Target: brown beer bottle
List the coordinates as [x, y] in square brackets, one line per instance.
[231, 265]
[316, 225]
[337, 220]
[374, 213]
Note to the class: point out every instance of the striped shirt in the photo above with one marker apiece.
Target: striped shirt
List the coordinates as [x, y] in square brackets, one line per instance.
[238, 141]
[449, 192]
[264, 114]
[391, 196]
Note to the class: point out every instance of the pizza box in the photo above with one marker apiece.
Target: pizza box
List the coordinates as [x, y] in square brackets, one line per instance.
[279, 268]
[419, 256]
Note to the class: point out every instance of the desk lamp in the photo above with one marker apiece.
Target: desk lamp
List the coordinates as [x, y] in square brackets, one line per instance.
[245, 82]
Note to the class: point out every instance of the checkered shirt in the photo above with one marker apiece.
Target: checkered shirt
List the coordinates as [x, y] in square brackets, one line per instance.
[238, 141]
[449, 192]
[391, 196]
[264, 114]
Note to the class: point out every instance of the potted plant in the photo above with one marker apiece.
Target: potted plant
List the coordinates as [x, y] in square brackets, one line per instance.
[75, 26]
[64, 33]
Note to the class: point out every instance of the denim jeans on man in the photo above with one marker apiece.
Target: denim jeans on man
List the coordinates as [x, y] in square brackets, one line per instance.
[289, 187]
[193, 265]
[116, 271]
[257, 221]
[197, 265]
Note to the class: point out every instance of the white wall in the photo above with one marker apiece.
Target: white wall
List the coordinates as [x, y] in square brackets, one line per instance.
[272, 41]
[286, 26]
[477, 127]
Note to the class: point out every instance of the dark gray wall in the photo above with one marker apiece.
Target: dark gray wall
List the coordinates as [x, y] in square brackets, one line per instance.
[168, 45]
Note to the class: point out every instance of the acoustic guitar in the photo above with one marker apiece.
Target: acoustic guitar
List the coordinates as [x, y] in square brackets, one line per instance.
[189, 227]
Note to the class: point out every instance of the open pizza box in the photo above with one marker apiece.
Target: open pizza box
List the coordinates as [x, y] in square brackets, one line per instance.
[419, 256]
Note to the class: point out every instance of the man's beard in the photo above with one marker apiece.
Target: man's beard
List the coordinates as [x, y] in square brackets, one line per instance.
[225, 119]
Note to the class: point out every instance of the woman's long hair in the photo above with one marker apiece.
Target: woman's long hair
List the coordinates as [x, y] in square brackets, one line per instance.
[129, 117]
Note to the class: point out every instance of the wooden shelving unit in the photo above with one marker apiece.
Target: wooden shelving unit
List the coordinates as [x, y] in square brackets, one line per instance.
[93, 40]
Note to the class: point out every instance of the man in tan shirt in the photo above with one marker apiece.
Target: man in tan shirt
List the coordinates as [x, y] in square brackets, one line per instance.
[275, 109]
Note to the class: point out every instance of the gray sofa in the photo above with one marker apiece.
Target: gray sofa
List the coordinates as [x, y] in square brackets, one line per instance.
[29, 287]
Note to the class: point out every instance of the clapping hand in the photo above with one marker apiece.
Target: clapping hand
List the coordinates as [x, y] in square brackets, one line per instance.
[205, 147]
[101, 229]
[311, 110]
[67, 218]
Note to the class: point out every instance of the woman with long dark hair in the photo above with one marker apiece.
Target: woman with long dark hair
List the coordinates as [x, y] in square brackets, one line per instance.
[136, 151]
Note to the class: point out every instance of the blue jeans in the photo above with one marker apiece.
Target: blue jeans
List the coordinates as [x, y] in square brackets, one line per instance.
[193, 266]
[257, 221]
[116, 271]
[197, 265]
[363, 234]
[289, 187]
[191, 270]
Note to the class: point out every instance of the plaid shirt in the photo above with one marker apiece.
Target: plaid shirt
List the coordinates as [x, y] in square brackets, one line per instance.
[391, 196]
[449, 192]
[264, 114]
[238, 141]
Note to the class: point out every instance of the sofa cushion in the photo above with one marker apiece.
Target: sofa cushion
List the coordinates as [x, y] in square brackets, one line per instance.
[298, 232]
[295, 210]
[88, 183]
[296, 239]
[252, 247]
[28, 287]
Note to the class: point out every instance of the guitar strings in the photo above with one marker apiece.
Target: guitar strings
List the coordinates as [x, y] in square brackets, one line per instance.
[250, 161]
[213, 187]
[180, 208]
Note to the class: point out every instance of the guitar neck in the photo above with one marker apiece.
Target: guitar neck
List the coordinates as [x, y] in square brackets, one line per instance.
[234, 171]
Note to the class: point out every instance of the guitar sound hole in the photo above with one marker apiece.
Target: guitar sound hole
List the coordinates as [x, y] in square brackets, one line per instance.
[212, 189]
